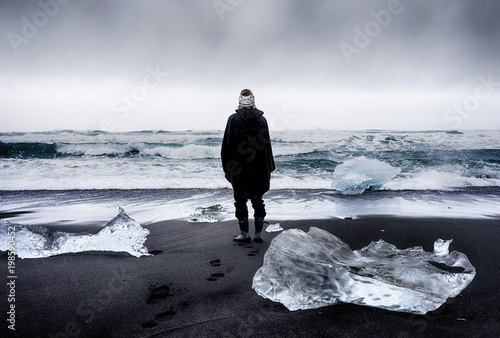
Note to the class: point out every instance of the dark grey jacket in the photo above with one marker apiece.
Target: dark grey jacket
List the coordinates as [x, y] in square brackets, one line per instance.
[247, 156]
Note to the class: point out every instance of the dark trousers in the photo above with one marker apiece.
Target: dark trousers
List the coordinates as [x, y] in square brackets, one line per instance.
[241, 196]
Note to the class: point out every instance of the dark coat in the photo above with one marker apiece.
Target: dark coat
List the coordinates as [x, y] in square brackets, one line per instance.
[247, 156]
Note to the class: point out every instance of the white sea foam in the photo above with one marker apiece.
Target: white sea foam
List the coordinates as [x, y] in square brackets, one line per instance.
[191, 151]
[116, 173]
[304, 159]
[147, 206]
[435, 180]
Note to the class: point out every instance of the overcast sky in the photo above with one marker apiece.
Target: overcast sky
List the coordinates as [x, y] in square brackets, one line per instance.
[180, 64]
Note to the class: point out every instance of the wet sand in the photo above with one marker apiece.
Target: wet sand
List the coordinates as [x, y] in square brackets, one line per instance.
[198, 283]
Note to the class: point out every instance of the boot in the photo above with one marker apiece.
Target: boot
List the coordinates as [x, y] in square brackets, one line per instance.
[244, 237]
[259, 224]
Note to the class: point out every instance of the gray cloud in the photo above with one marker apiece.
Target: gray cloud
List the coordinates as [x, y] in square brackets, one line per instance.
[428, 44]
[277, 37]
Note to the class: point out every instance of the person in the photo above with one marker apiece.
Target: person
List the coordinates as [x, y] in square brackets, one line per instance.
[247, 160]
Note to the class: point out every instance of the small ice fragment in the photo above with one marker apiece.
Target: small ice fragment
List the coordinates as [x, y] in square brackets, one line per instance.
[211, 209]
[201, 218]
[274, 228]
[314, 269]
[205, 214]
[441, 247]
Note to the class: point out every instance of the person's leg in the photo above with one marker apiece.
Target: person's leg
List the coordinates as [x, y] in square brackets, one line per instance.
[240, 203]
[259, 214]
[244, 236]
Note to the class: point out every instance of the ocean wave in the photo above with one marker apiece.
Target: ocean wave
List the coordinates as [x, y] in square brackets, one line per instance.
[111, 149]
[28, 150]
[302, 152]
[157, 176]
[191, 151]
[93, 136]
[304, 159]
[435, 180]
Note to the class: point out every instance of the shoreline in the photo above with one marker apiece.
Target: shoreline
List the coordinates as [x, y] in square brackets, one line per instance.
[86, 209]
[198, 283]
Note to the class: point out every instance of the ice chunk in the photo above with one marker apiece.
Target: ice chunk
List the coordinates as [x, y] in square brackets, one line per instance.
[211, 209]
[310, 270]
[274, 228]
[205, 214]
[201, 218]
[121, 234]
[441, 247]
[358, 174]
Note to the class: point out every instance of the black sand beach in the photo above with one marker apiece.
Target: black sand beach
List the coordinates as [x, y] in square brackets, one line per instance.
[198, 284]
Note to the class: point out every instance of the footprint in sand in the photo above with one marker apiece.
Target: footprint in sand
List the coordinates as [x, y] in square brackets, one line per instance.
[149, 325]
[253, 253]
[215, 276]
[164, 316]
[158, 294]
[215, 262]
[243, 244]
[249, 246]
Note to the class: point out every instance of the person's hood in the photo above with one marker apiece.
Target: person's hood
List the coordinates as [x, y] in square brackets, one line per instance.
[249, 114]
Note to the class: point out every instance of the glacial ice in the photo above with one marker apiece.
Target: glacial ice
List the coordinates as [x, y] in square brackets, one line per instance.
[356, 175]
[315, 269]
[201, 218]
[274, 227]
[121, 234]
[206, 214]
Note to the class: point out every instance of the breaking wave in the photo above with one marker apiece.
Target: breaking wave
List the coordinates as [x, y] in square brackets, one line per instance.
[429, 160]
[38, 150]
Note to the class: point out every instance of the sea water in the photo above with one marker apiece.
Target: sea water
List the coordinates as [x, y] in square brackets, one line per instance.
[84, 176]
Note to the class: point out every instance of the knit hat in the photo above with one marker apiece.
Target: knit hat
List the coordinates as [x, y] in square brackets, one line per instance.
[246, 98]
